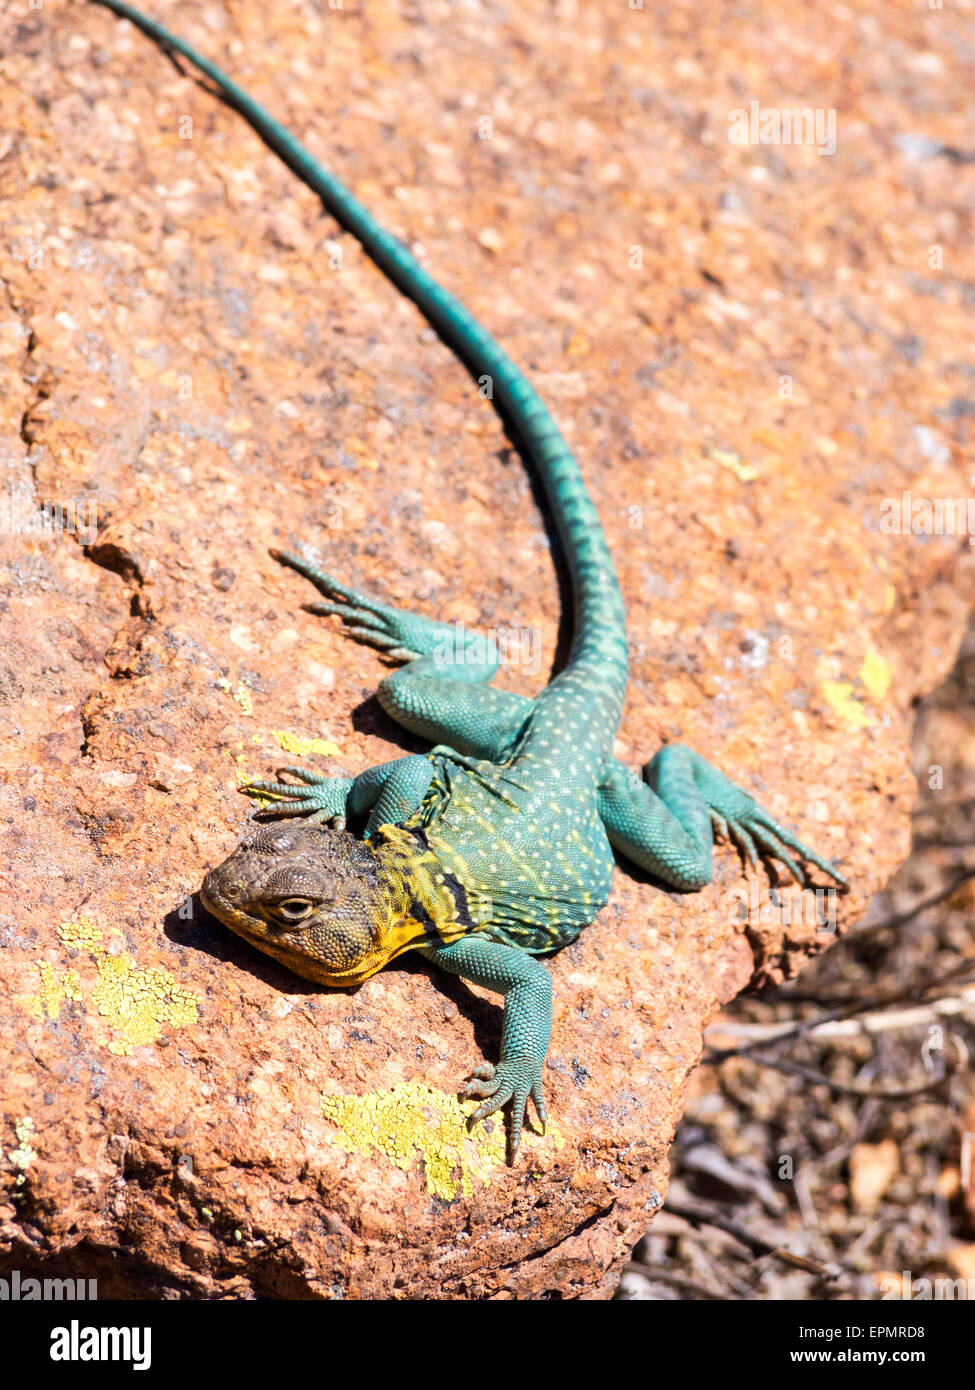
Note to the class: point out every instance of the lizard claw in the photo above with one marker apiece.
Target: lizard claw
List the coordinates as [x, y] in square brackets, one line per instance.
[539, 1104]
[401, 636]
[320, 799]
[755, 832]
[481, 1085]
[514, 1079]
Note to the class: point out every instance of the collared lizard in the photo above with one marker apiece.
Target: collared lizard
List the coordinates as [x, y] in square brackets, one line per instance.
[497, 846]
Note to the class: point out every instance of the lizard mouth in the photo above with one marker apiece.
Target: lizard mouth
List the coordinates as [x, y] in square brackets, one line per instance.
[210, 902]
[218, 905]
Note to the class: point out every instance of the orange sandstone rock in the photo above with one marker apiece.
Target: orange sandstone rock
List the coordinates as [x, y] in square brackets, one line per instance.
[751, 348]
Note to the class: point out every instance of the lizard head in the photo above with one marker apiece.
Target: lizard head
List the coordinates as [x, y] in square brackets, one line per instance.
[310, 896]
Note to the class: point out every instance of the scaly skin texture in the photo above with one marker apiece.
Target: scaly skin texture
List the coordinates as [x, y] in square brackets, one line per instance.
[496, 846]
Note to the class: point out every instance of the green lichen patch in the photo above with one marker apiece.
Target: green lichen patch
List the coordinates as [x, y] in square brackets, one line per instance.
[414, 1121]
[56, 988]
[297, 743]
[137, 1003]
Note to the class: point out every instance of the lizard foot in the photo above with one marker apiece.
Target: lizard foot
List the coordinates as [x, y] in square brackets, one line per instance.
[754, 832]
[401, 636]
[321, 799]
[514, 1079]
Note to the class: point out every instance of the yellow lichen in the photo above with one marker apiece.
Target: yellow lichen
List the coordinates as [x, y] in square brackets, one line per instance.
[840, 697]
[82, 933]
[744, 472]
[137, 1003]
[876, 675]
[290, 743]
[56, 988]
[261, 799]
[242, 695]
[297, 743]
[25, 1153]
[414, 1121]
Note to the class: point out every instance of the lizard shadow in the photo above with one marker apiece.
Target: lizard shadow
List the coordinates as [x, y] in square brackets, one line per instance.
[202, 932]
[644, 876]
[369, 717]
[563, 635]
[484, 1015]
[731, 872]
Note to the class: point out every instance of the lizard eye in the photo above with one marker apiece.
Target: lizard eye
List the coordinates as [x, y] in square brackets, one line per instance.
[293, 909]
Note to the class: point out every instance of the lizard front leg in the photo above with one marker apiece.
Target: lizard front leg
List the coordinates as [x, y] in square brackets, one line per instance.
[389, 793]
[527, 989]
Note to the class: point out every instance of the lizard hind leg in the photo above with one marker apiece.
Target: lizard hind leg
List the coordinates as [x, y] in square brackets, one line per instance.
[666, 824]
[401, 636]
[442, 692]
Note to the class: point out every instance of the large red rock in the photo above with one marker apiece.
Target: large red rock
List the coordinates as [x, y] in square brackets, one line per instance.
[751, 347]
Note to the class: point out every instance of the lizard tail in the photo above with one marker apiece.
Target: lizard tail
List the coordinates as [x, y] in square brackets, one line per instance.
[599, 643]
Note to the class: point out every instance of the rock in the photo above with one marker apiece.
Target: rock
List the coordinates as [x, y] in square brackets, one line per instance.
[740, 342]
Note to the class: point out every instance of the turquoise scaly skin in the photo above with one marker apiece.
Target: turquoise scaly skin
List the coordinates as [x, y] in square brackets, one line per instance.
[496, 846]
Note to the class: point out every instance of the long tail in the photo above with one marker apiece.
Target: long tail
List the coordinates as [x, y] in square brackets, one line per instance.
[600, 634]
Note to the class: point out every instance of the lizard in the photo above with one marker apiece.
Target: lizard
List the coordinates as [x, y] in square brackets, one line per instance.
[496, 847]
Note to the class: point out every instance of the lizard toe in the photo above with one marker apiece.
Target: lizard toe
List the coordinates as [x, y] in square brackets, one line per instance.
[538, 1101]
[515, 1079]
[479, 1090]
